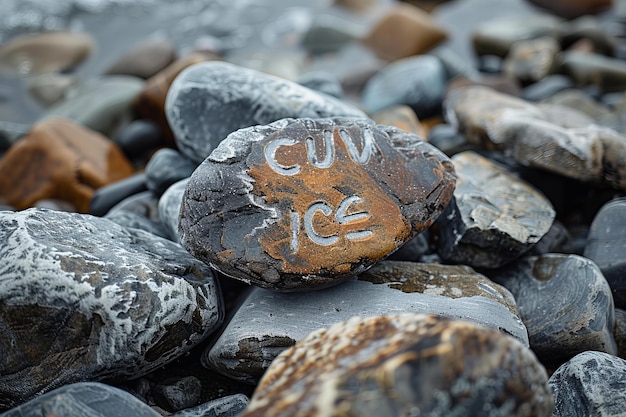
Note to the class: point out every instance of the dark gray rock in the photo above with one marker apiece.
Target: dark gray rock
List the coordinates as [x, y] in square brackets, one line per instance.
[547, 87]
[85, 299]
[230, 406]
[83, 399]
[419, 82]
[166, 167]
[129, 219]
[139, 139]
[565, 303]
[322, 81]
[606, 246]
[447, 139]
[619, 332]
[210, 100]
[270, 206]
[603, 72]
[175, 394]
[269, 322]
[590, 384]
[169, 208]
[494, 217]
[404, 365]
[144, 203]
[105, 198]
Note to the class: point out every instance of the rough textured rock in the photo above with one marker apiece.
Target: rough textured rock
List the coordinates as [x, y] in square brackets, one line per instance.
[590, 384]
[169, 208]
[85, 299]
[269, 206]
[167, 166]
[269, 322]
[145, 59]
[85, 399]
[565, 303]
[59, 159]
[364, 367]
[230, 406]
[229, 97]
[176, 394]
[494, 217]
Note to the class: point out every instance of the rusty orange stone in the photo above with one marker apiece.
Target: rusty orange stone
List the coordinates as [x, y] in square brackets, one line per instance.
[59, 159]
[305, 203]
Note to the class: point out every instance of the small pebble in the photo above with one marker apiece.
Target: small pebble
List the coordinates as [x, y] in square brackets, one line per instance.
[165, 167]
[145, 59]
[106, 197]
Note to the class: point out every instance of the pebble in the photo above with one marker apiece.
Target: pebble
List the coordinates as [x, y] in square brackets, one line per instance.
[45, 52]
[229, 406]
[269, 322]
[60, 159]
[574, 8]
[83, 399]
[447, 139]
[108, 196]
[50, 88]
[494, 217]
[145, 59]
[165, 167]
[329, 33]
[231, 97]
[606, 73]
[169, 208]
[606, 245]
[103, 104]
[532, 60]
[259, 210]
[547, 87]
[589, 28]
[368, 366]
[85, 299]
[590, 384]
[565, 303]
[403, 31]
[144, 203]
[403, 117]
[176, 394]
[423, 86]
[128, 219]
[139, 139]
[322, 82]
[619, 332]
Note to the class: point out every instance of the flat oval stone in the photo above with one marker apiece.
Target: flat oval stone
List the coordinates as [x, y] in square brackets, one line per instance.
[107, 197]
[145, 59]
[169, 208]
[305, 203]
[565, 303]
[210, 100]
[590, 384]
[370, 367]
[84, 299]
[165, 167]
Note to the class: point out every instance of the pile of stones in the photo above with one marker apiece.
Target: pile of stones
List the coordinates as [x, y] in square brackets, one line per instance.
[191, 236]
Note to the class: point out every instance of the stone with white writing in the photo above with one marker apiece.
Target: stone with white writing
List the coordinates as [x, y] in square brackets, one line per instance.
[305, 203]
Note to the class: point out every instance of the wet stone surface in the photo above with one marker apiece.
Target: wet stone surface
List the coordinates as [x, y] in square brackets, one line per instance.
[305, 203]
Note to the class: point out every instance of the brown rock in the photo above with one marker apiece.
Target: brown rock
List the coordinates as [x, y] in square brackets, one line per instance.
[404, 31]
[150, 103]
[403, 117]
[62, 160]
[45, 52]
[574, 8]
[404, 365]
[145, 59]
[358, 6]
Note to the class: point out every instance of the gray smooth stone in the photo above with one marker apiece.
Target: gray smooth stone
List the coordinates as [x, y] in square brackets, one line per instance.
[230, 406]
[133, 220]
[165, 167]
[323, 82]
[210, 100]
[419, 82]
[144, 203]
[82, 298]
[606, 73]
[178, 393]
[565, 303]
[83, 399]
[590, 384]
[329, 33]
[169, 208]
[50, 88]
[269, 322]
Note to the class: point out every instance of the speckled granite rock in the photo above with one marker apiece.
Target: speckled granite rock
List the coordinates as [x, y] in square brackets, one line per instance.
[365, 367]
[269, 322]
[494, 217]
[565, 303]
[85, 299]
[590, 384]
[230, 97]
[270, 207]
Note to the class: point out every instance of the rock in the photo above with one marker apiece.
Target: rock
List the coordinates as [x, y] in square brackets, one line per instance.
[59, 159]
[175, 394]
[106, 197]
[532, 60]
[10, 132]
[423, 86]
[555, 241]
[329, 33]
[565, 303]
[45, 52]
[547, 87]
[85, 399]
[85, 299]
[494, 218]
[590, 384]
[150, 102]
[405, 30]
[570, 9]
[145, 59]
[139, 139]
[143, 203]
[169, 208]
[51, 87]
[269, 322]
[619, 332]
[128, 219]
[166, 167]
[259, 210]
[101, 104]
[590, 29]
[230, 406]
[496, 36]
[356, 6]
[414, 250]
[364, 367]
[606, 73]
[606, 245]
[55, 204]
[446, 138]
[323, 82]
[230, 97]
[580, 101]
[401, 116]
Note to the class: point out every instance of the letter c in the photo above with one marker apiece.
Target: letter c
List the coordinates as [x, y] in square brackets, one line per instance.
[270, 157]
